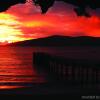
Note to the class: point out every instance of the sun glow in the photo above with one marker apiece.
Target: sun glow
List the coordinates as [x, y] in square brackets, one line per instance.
[9, 28]
[37, 24]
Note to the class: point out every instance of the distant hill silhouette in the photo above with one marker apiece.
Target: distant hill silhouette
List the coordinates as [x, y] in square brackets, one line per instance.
[60, 41]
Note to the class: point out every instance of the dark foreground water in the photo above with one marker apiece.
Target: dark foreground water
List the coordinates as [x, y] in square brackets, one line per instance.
[18, 71]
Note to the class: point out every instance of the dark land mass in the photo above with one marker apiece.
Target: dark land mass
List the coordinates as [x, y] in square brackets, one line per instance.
[60, 41]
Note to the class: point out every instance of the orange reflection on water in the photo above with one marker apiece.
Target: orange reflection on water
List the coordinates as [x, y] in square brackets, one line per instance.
[16, 68]
[2, 87]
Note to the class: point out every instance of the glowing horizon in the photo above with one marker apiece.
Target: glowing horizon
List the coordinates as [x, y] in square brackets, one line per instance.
[24, 21]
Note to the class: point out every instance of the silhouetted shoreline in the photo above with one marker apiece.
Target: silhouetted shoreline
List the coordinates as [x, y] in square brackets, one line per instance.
[60, 41]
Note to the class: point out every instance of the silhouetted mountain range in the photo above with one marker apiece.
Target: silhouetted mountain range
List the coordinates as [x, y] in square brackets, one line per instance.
[60, 41]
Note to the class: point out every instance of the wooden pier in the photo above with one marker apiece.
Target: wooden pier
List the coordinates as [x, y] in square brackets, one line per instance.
[68, 71]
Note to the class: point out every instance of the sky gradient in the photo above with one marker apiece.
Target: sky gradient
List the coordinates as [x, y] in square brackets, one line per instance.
[25, 21]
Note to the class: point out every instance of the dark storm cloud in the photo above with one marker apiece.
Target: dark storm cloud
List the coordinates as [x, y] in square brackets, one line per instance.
[5, 4]
[80, 8]
[81, 4]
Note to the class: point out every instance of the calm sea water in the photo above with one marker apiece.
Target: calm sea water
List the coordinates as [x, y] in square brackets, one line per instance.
[16, 66]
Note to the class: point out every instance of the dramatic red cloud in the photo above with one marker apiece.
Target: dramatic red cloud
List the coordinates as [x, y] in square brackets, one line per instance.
[24, 21]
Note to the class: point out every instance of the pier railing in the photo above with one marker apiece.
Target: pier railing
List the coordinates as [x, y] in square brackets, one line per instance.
[72, 71]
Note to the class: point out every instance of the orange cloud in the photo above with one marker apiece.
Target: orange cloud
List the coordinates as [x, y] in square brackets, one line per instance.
[24, 21]
[8, 28]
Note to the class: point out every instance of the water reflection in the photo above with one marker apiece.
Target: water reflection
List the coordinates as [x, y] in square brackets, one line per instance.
[3, 87]
[16, 68]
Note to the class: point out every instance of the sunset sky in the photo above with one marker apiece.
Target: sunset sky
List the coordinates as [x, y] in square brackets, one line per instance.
[25, 21]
